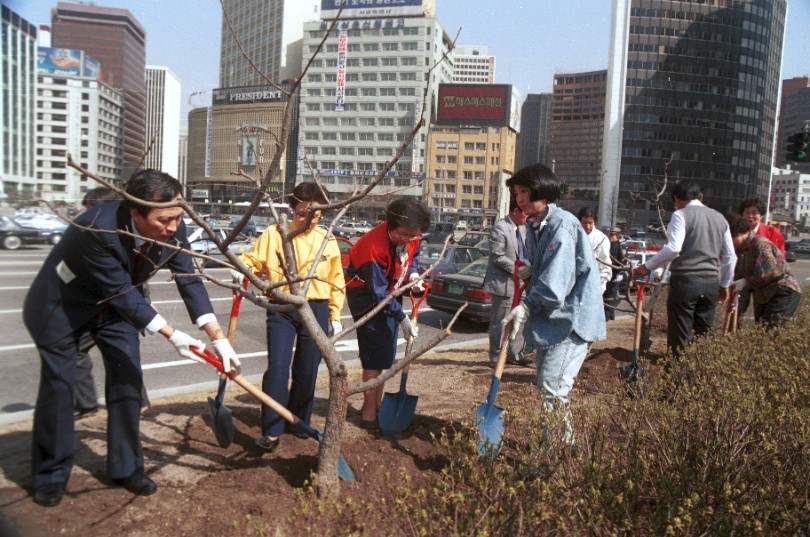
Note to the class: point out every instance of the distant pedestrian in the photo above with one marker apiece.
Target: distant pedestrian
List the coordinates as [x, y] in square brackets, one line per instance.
[599, 243]
[701, 257]
[617, 257]
[376, 263]
[507, 243]
[762, 267]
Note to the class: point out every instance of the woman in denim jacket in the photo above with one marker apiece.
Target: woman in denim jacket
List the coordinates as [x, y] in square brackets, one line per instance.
[562, 312]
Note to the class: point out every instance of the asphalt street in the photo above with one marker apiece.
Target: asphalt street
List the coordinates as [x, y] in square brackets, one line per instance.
[165, 372]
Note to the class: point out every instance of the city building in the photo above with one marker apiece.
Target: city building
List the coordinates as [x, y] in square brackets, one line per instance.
[535, 127]
[117, 40]
[162, 120]
[182, 155]
[473, 64]
[78, 115]
[794, 116]
[577, 125]
[231, 145]
[471, 153]
[364, 95]
[789, 205]
[691, 95]
[17, 108]
[269, 33]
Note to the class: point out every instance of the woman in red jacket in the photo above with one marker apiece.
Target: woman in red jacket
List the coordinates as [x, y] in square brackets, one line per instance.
[753, 210]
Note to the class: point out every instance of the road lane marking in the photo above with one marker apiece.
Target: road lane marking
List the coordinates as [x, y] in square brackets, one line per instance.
[15, 288]
[17, 347]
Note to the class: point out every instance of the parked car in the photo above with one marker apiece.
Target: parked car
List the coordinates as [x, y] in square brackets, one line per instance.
[437, 232]
[352, 229]
[344, 245]
[790, 255]
[472, 238]
[802, 247]
[202, 243]
[250, 228]
[449, 291]
[50, 227]
[455, 258]
[13, 235]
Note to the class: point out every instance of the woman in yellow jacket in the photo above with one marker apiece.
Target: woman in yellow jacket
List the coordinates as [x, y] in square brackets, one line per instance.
[284, 330]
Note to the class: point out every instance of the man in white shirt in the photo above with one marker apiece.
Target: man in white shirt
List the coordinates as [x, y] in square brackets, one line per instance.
[701, 256]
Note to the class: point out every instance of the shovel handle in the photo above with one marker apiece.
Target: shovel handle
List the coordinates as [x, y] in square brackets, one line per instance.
[235, 303]
[516, 280]
[417, 303]
[639, 312]
[507, 330]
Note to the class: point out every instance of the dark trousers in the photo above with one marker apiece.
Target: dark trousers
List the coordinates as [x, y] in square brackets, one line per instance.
[85, 397]
[611, 299]
[52, 456]
[779, 308]
[285, 330]
[691, 307]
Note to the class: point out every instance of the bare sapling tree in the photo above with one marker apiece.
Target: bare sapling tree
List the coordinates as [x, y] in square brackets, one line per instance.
[289, 295]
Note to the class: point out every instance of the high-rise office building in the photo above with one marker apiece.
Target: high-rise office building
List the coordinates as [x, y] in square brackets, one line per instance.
[80, 115]
[794, 116]
[692, 91]
[270, 33]
[473, 64]
[17, 108]
[577, 124]
[116, 39]
[162, 119]
[182, 156]
[363, 95]
[534, 135]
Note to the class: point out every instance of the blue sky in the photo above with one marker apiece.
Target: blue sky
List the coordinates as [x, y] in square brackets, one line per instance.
[531, 39]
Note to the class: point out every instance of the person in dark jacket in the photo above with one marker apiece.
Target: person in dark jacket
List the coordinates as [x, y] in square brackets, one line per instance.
[92, 282]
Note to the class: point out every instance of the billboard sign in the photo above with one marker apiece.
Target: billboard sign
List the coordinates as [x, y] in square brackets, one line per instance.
[59, 61]
[474, 104]
[340, 92]
[249, 95]
[376, 8]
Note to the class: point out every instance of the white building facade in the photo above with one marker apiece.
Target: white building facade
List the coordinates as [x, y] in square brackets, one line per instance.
[473, 64]
[364, 94]
[163, 94]
[83, 117]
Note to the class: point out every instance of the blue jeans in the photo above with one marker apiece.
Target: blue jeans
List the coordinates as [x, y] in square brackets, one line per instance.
[557, 367]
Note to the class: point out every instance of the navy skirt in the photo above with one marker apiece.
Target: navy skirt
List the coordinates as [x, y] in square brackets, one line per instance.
[377, 340]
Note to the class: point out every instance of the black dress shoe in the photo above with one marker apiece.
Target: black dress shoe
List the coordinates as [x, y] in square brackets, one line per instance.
[137, 484]
[80, 413]
[268, 444]
[49, 496]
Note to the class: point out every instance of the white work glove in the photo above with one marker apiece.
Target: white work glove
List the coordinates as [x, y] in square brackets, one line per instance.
[525, 270]
[518, 316]
[658, 273]
[740, 284]
[619, 277]
[337, 327]
[237, 276]
[183, 341]
[409, 330]
[420, 286]
[224, 351]
[402, 253]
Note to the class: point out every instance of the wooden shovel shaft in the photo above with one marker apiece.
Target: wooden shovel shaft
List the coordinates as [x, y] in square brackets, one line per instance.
[266, 399]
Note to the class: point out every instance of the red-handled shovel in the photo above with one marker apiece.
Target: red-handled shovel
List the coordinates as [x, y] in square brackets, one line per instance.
[489, 417]
[632, 373]
[221, 416]
[344, 472]
[397, 409]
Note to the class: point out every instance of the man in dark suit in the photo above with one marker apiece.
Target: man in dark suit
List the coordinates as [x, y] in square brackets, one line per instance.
[507, 241]
[92, 282]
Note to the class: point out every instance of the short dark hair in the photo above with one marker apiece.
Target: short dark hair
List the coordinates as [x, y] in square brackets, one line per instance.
[308, 191]
[687, 191]
[409, 213]
[737, 224]
[586, 212]
[98, 195]
[151, 185]
[540, 180]
[752, 202]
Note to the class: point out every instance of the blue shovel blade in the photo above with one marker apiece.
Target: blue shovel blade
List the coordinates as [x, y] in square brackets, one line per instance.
[489, 420]
[344, 472]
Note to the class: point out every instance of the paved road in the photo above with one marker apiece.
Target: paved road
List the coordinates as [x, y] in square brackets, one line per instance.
[164, 370]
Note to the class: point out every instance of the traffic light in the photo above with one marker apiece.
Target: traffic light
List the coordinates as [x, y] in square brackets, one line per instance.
[797, 147]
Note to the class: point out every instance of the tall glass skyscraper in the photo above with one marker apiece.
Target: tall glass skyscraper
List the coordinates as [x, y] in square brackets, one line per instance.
[692, 94]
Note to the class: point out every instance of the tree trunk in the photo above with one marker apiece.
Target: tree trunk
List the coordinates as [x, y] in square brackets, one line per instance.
[328, 481]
